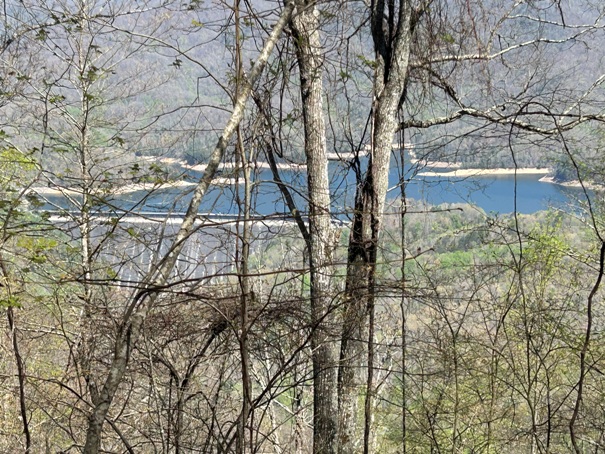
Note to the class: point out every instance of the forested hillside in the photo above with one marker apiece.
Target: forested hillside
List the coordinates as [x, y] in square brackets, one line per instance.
[202, 248]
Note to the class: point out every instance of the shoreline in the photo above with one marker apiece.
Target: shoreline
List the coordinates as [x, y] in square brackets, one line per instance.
[130, 188]
[343, 157]
[572, 183]
[229, 181]
[254, 165]
[436, 164]
[568, 184]
[125, 189]
[461, 173]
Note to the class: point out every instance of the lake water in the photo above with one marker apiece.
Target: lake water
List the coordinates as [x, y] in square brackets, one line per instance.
[496, 194]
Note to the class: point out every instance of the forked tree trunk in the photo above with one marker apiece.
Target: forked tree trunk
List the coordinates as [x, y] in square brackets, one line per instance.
[321, 241]
[392, 48]
[138, 309]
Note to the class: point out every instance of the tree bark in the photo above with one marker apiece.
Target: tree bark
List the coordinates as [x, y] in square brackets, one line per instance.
[142, 301]
[392, 49]
[321, 240]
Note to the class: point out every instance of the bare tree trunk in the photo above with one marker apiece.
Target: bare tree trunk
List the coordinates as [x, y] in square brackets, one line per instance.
[584, 351]
[21, 377]
[321, 241]
[136, 312]
[243, 255]
[403, 309]
[392, 46]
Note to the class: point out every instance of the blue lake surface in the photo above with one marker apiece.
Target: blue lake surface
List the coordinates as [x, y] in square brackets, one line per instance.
[493, 194]
[498, 194]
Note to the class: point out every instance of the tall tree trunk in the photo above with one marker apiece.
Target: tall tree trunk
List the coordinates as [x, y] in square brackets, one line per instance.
[21, 374]
[321, 240]
[392, 48]
[243, 253]
[138, 309]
